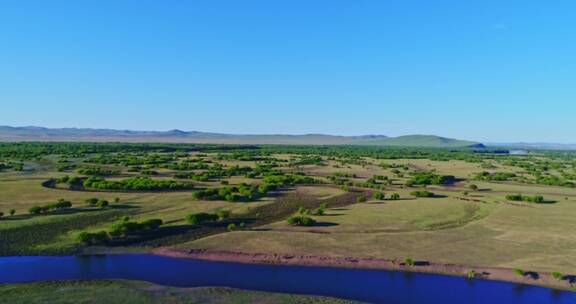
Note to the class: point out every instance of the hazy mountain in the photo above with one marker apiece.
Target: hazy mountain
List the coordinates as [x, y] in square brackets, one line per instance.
[178, 136]
[421, 141]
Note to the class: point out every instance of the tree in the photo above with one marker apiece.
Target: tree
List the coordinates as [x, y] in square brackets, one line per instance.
[361, 199]
[102, 203]
[223, 214]
[231, 227]
[1, 214]
[558, 276]
[409, 262]
[91, 202]
[379, 196]
[473, 187]
[395, 197]
[519, 272]
[12, 212]
[201, 218]
[299, 220]
[35, 210]
[422, 193]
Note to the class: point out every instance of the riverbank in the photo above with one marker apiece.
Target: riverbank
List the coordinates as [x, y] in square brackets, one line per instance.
[125, 291]
[541, 279]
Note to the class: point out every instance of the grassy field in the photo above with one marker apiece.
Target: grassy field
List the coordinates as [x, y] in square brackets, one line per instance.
[478, 226]
[111, 292]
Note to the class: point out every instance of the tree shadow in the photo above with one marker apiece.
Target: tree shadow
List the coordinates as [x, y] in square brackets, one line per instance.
[325, 224]
[532, 274]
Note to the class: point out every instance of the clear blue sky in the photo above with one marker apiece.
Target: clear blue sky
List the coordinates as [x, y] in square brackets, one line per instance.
[487, 70]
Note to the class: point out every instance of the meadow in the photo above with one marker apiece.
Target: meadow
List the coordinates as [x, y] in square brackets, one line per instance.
[443, 206]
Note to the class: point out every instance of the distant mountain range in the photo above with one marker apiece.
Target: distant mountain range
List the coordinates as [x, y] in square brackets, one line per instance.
[8, 133]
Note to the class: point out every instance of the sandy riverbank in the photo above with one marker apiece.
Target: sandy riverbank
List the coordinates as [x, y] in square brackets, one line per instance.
[488, 273]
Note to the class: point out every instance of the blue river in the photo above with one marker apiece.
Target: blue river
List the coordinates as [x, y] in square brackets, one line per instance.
[370, 286]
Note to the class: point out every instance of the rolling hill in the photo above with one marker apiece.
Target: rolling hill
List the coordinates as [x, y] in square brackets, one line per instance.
[12, 134]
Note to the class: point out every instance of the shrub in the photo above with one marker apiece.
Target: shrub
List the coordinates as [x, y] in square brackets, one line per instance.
[409, 262]
[91, 202]
[472, 274]
[361, 199]
[558, 276]
[298, 220]
[12, 212]
[151, 224]
[201, 218]
[395, 197]
[223, 214]
[473, 187]
[318, 211]
[422, 193]
[102, 203]
[231, 227]
[537, 199]
[35, 210]
[92, 238]
[303, 211]
[379, 196]
[429, 178]
[514, 197]
[519, 272]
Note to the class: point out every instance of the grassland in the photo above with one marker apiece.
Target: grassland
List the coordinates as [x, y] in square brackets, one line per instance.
[465, 225]
[111, 292]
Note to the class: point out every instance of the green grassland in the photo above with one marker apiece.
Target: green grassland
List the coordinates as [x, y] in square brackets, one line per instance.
[111, 292]
[459, 224]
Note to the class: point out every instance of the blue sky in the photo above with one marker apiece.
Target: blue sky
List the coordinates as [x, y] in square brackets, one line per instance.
[485, 70]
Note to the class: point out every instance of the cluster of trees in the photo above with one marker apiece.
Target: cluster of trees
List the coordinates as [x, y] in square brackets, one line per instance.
[497, 176]
[316, 212]
[552, 180]
[121, 229]
[135, 183]
[95, 202]
[133, 159]
[60, 204]
[204, 217]
[98, 171]
[429, 178]
[11, 165]
[189, 164]
[382, 196]
[538, 199]
[241, 193]
[249, 193]
[422, 193]
[12, 212]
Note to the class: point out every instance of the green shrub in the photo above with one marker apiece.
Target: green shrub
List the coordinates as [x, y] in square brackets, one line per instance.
[519, 272]
[422, 193]
[201, 218]
[395, 197]
[231, 227]
[102, 203]
[409, 262]
[558, 276]
[223, 214]
[379, 196]
[361, 199]
[298, 220]
[92, 238]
